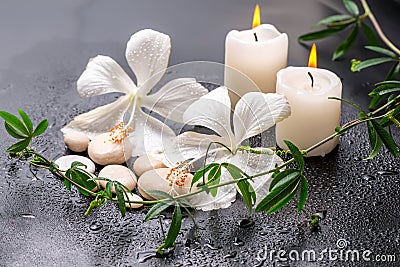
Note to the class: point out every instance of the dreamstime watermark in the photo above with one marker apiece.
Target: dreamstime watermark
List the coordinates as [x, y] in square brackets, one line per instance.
[341, 252]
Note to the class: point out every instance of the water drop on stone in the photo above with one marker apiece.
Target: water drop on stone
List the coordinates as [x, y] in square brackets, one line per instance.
[245, 223]
[96, 226]
[143, 256]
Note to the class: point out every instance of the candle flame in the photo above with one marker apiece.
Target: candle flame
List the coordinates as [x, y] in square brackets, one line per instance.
[256, 17]
[312, 60]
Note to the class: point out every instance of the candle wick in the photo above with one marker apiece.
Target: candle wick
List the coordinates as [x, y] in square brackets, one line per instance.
[312, 79]
[255, 37]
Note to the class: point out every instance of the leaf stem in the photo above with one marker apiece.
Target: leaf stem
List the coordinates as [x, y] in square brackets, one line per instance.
[378, 28]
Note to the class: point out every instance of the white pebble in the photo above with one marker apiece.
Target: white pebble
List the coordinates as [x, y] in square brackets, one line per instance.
[156, 179]
[76, 141]
[105, 152]
[145, 163]
[118, 173]
[64, 162]
[133, 197]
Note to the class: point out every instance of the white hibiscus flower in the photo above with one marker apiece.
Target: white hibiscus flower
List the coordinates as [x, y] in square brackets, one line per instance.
[254, 113]
[147, 53]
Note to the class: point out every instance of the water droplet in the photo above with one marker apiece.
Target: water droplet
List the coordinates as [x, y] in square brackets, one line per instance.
[238, 242]
[143, 256]
[387, 172]
[230, 255]
[245, 223]
[212, 247]
[96, 226]
[29, 216]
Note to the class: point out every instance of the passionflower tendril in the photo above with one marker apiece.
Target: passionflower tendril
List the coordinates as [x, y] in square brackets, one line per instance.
[254, 113]
[147, 53]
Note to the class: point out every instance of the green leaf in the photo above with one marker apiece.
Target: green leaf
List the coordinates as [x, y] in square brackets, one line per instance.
[174, 228]
[14, 133]
[109, 188]
[119, 192]
[67, 184]
[234, 171]
[77, 164]
[369, 34]
[279, 196]
[345, 46]
[388, 91]
[157, 209]
[386, 121]
[370, 62]
[248, 194]
[214, 177]
[386, 138]
[42, 126]
[394, 83]
[394, 71]
[374, 140]
[334, 18]
[18, 147]
[27, 121]
[375, 101]
[287, 174]
[382, 51]
[298, 157]
[158, 194]
[321, 34]
[351, 7]
[14, 122]
[303, 194]
[200, 172]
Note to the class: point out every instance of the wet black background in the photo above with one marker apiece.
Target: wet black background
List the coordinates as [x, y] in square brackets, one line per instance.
[44, 48]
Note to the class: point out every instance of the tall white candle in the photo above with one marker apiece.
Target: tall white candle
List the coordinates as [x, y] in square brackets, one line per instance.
[258, 54]
[313, 116]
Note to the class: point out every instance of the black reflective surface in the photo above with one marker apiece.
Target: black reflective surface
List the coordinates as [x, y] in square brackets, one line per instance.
[45, 46]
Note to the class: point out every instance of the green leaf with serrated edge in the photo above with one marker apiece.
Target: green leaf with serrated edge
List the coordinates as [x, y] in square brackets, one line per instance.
[321, 34]
[281, 203]
[386, 139]
[289, 173]
[374, 141]
[109, 187]
[200, 172]
[14, 122]
[382, 51]
[371, 62]
[119, 192]
[345, 46]
[298, 157]
[371, 36]
[27, 121]
[351, 7]
[67, 184]
[334, 18]
[157, 209]
[174, 228]
[278, 194]
[303, 194]
[14, 133]
[244, 187]
[158, 194]
[42, 126]
[18, 147]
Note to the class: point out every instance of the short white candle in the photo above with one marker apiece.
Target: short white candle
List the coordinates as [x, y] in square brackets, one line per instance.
[259, 59]
[314, 116]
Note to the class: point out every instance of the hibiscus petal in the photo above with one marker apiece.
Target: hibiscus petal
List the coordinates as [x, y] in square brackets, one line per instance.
[172, 100]
[101, 119]
[212, 111]
[255, 112]
[103, 75]
[190, 145]
[253, 164]
[150, 135]
[224, 198]
[147, 53]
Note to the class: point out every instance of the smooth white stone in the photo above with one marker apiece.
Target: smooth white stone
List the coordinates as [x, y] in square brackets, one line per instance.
[105, 152]
[133, 197]
[64, 162]
[156, 180]
[118, 173]
[145, 163]
[76, 141]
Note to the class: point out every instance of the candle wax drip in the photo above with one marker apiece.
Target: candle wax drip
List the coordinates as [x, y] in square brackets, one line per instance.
[312, 79]
[255, 37]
